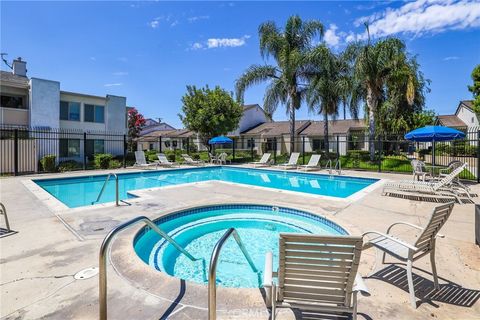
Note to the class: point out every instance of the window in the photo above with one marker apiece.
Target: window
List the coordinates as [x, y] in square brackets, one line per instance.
[250, 143]
[69, 147]
[473, 119]
[93, 147]
[318, 144]
[69, 111]
[14, 102]
[94, 113]
[150, 146]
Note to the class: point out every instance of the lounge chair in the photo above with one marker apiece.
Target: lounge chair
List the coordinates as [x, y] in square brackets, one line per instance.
[264, 161]
[409, 252]
[163, 161]
[312, 163]
[443, 187]
[190, 161]
[140, 160]
[419, 170]
[292, 162]
[316, 273]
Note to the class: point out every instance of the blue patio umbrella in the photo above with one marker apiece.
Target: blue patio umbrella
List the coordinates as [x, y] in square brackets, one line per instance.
[220, 140]
[434, 134]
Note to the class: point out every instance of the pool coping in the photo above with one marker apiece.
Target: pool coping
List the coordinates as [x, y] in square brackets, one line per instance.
[56, 206]
[132, 269]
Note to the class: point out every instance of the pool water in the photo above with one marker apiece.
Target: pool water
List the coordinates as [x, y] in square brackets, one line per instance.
[83, 191]
[200, 229]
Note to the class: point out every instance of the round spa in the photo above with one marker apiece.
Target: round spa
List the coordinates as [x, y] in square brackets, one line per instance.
[198, 230]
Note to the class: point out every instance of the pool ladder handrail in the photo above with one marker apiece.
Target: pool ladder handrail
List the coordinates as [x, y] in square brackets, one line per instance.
[3, 212]
[212, 272]
[105, 184]
[329, 166]
[338, 167]
[102, 259]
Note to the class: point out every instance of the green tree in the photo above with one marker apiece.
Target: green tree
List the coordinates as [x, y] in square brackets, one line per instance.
[210, 112]
[377, 67]
[475, 89]
[135, 122]
[290, 50]
[330, 84]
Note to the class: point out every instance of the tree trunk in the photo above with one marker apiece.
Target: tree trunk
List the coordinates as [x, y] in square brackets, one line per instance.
[372, 107]
[344, 110]
[325, 132]
[292, 126]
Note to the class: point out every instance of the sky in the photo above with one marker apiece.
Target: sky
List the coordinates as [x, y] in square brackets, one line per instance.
[150, 51]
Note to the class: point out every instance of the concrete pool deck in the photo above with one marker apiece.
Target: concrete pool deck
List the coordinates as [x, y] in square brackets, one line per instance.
[37, 264]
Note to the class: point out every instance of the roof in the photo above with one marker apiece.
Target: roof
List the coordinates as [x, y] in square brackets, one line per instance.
[276, 128]
[334, 127]
[466, 103]
[250, 106]
[8, 78]
[450, 120]
[154, 135]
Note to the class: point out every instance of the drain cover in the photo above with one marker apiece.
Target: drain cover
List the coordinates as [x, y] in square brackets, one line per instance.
[86, 273]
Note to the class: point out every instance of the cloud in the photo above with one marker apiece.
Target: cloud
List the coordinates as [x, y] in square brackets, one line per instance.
[330, 37]
[423, 17]
[197, 18]
[155, 22]
[113, 84]
[213, 43]
[93, 58]
[451, 58]
[120, 73]
[174, 23]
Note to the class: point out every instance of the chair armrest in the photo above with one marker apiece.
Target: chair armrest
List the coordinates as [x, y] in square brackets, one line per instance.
[268, 270]
[407, 245]
[360, 286]
[403, 223]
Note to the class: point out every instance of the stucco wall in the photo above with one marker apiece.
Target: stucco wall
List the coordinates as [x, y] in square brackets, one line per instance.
[115, 116]
[250, 118]
[44, 103]
[466, 116]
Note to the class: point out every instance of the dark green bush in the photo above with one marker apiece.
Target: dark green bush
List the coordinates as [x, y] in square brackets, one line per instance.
[48, 163]
[102, 160]
[69, 165]
[114, 164]
[171, 157]
[196, 156]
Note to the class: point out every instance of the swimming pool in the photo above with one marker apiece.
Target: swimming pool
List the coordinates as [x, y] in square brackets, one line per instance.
[198, 230]
[83, 191]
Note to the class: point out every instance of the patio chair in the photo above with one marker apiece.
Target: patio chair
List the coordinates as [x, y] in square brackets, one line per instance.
[163, 161]
[264, 161]
[190, 161]
[292, 162]
[312, 163]
[213, 158]
[222, 158]
[140, 160]
[315, 272]
[419, 170]
[408, 252]
[443, 187]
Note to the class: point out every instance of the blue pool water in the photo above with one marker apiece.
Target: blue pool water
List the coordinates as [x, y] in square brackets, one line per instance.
[198, 230]
[83, 191]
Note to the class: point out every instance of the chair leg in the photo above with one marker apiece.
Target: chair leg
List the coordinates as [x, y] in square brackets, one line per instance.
[354, 313]
[434, 268]
[274, 304]
[411, 288]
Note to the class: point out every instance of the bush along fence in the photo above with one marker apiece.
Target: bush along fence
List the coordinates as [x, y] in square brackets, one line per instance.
[30, 150]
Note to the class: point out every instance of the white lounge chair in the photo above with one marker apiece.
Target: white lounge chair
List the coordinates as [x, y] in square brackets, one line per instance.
[443, 187]
[292, 162]
[140, 160]
[312, 163]
[264, 161]
[163, 161]
[315, 273]
[410, 252]
[190, 161]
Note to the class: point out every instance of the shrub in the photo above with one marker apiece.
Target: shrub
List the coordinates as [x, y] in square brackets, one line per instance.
[48, 163]
[114, 164]
[69, 165]
[171, 157]
[102, 160]
[196, 157]
[151, 155]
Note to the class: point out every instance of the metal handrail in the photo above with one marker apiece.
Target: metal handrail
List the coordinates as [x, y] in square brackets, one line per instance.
[338, 167]
[329, 166]
[105, 184]
[3, 211]
[102, 259]
[212, 272]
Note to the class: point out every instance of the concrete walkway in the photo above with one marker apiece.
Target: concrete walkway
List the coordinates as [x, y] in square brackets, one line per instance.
[37, 263]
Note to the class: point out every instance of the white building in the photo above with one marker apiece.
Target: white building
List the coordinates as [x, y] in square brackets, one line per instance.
[463, 119]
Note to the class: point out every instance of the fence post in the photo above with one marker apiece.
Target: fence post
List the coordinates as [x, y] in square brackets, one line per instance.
[275, 150]
[84, 151]
[188, 145]
[233, 149]
[160, 144]
[380, 150]
[303, 149]
[124, 150]
[15, 152]
[478, 156]
[251, 149]
[338, 147]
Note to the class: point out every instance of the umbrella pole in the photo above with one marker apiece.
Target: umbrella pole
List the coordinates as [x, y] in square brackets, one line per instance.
[433, 154]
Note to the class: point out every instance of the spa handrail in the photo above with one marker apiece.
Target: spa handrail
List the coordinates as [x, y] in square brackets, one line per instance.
[212, 272]
[103, 256]
[105, 184]
[338, 167]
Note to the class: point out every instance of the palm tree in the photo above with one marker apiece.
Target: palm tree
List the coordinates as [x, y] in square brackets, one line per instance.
[287, 79]
[374, 66]
[329, 85]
